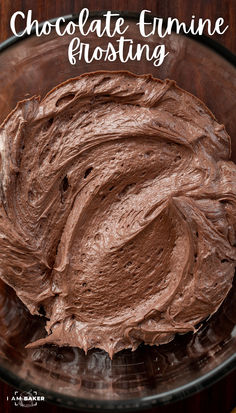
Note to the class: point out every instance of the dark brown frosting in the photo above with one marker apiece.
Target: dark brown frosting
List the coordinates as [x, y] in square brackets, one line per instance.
[118, 210]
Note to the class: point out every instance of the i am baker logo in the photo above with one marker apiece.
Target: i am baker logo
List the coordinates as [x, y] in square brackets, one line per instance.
[26, 399]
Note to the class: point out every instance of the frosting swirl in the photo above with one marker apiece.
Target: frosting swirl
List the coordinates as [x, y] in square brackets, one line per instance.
[118, 210]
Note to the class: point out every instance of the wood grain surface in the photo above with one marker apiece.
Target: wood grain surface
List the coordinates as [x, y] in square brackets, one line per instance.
[182, 9]
[221, 397]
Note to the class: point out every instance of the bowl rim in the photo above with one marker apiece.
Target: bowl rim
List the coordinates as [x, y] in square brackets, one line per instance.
[127, 405]
[144, 402]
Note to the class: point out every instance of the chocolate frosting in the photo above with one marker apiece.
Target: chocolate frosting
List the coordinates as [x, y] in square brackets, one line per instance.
[118, 210]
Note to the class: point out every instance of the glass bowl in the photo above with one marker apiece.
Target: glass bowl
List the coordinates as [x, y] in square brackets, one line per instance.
[150, 375]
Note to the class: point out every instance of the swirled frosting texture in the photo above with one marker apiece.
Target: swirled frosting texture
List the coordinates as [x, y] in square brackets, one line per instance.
[118, 210]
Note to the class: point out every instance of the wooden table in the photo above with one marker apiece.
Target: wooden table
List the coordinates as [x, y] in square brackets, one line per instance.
[221, 397]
